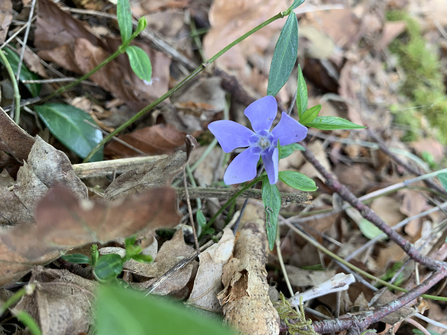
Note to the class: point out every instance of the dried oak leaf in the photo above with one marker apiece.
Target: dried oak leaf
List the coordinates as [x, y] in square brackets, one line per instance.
[245, 300]
[158, 139]
[69, 43]
[208, 281]
[13, 139]
[148, 176]
[62, 302]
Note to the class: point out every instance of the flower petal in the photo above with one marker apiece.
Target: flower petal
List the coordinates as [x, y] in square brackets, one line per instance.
[288, 130]
[261, 113]
[242, 168]
[270, 160]
[231, 135]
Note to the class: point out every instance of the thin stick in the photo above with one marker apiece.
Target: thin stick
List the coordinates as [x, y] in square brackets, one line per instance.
[16, 33]
[191, 218]
[57, 80]
[417, 325]
[370, 215]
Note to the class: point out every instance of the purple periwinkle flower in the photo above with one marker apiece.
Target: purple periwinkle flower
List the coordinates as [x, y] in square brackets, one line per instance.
[261, 143]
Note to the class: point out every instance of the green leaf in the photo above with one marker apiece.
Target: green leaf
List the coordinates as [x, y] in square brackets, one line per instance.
[333, 122]
[123, 311]
[287, 150]
[143, 258]
[272, 204]
[278, 145]
[124, 19]
[310, 115]
[76, 258]
[142, 24]
[443, 179]
[301, 93]
[139, 62]
[130, 241]
[29, 322]
[297, 181]
[25, 74]
[201, 220]
[108, 267]
[284, 56]
[296, 3]
[369, 230]
[67, 124]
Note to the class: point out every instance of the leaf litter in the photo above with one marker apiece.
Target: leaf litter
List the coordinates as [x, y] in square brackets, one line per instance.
[343, 51]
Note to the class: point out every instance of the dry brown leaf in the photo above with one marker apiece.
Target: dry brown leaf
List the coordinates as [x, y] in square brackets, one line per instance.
[431, 146]
[13, 139]
[231, 19]
[62, 302]
[208, 281]
[5, 18]
[319, 153]
[67, 42]
[401, 314]
[171, 252]
[245, 299]
[301, 277]
[412, 203]
[65, 222]
[158, 139]
[44, 168]
[148, 176]
[390, 31]
[387, 208]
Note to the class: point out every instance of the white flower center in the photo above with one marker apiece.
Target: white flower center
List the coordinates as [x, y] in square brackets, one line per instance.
[263, 142]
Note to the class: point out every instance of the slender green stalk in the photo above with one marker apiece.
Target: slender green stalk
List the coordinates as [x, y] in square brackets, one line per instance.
[353, 267]
[14, 85]
[233, 198]
[180, 85]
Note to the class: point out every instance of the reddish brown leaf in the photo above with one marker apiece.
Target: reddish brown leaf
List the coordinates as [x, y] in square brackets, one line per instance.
[66, 41]
[158, 139]
[65, 221]
[13, 139]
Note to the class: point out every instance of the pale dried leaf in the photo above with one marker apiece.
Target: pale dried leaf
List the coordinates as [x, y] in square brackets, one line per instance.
[5, 18]
[208, 281]
[171, 252]
[62, 302]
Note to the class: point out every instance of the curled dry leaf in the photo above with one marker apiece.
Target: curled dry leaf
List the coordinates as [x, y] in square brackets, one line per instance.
[62, 302]
[245, 300]
[158, 139]
[13, 139]
[44, 168]
[208, 281]
[67, 42]
[171, 252]
[148, 176]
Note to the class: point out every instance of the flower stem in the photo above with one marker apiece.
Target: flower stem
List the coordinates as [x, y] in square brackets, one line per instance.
[233, 198]
[14, 85]
[180, 85]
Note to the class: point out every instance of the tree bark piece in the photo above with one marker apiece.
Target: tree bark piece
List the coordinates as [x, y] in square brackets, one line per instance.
[245, 300]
